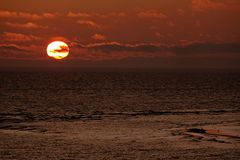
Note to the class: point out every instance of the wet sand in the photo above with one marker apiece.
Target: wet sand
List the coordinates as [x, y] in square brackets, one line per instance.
[190, 134]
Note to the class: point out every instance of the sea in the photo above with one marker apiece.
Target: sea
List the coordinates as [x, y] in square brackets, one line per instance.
[53, 95]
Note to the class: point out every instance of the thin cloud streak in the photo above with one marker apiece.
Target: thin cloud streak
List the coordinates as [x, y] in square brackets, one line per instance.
[18, 37]
[13, 51]
[152, 14]
[26, 15]
[28, 25]
[210, 5]
[88, 23]
[95, 15]
[99, 37]
[78, 15]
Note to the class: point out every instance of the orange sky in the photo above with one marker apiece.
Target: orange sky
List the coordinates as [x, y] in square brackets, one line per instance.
[136, 33]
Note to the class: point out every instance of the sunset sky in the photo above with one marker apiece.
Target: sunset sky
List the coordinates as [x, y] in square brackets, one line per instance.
[121, 33]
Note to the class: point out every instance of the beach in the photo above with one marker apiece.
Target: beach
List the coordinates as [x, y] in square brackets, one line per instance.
[202, 135]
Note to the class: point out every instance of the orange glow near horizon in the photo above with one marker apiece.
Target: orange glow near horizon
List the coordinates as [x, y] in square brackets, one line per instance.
[58, 50]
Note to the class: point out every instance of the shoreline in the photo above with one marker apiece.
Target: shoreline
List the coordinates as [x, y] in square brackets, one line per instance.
[176, 136]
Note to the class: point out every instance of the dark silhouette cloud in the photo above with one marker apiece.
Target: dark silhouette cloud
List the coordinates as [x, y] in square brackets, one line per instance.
[10, 50]
[192, 49]
[109, 47]
[10, 47]
[203, 48]
[62, 49]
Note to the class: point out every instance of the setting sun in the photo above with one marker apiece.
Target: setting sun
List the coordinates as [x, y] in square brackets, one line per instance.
[58, 50]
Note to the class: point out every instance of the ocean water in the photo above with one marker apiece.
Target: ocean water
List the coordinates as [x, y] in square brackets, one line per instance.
[120, 115]
[55, 94]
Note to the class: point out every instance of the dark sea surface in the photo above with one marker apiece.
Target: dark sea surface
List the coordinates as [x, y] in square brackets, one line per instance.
[59, 94]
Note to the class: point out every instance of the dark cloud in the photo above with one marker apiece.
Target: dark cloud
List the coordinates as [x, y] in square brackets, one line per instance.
[11, 50]
[5, 47]
[197, 48]
[194, 48]
[62, 49]
[119, 47]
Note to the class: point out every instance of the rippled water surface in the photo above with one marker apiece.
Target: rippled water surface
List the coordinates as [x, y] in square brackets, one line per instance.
[53, 93]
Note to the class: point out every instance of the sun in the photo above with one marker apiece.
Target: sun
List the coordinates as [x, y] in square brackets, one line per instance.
[58, 50]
